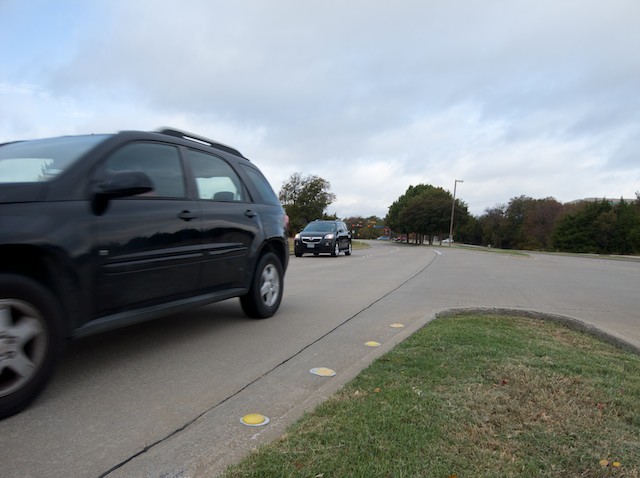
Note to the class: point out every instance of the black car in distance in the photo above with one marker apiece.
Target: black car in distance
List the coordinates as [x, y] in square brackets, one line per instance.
[323, 237]
[107, 230]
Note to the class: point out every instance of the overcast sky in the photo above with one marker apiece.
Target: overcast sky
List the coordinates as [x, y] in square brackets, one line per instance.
[538, 98]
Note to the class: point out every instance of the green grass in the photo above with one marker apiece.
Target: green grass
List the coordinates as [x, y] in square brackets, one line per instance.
[473, 396]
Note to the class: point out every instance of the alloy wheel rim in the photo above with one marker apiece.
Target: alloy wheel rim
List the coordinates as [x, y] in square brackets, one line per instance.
[269, 285]
[23, 344]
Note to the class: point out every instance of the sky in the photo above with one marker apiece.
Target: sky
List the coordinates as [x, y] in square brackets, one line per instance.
[538, 98]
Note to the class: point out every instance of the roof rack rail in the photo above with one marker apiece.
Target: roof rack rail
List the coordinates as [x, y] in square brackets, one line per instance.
[199, 139]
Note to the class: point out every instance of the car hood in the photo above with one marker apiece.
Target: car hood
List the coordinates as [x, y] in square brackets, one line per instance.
[22, 192]
[315, 234]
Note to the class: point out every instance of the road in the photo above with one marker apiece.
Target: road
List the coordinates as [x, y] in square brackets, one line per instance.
[164, 399]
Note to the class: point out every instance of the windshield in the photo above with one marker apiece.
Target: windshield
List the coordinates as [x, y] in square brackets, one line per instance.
[320, 227]
[42, 159]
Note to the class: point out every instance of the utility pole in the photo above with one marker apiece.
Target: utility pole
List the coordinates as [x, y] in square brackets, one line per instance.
[453, 208]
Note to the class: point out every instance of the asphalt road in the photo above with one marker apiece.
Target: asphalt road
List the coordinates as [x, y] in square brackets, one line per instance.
[164, 399]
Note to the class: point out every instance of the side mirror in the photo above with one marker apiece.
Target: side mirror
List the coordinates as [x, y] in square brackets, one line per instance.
[119, 184]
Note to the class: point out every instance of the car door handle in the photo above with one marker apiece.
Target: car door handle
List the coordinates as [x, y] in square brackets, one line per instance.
[250, 213]
[187, 215]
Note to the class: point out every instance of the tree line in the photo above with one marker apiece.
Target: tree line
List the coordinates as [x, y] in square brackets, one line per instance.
[599, 226]
[423, 215]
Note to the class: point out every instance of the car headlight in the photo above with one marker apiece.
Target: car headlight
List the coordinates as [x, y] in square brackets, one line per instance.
[296, 237]
[329, 236]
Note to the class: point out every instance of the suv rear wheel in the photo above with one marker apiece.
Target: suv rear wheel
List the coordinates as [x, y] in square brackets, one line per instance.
[30, 341]
[263, 299]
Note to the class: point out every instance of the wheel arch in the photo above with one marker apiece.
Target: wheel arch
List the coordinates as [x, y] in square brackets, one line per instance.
[279, 247]
[49, 268]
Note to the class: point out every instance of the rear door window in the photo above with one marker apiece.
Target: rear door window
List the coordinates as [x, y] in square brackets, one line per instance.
[215, 179]
[267, 196]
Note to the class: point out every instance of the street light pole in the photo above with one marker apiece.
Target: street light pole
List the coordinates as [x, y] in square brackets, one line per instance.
[453, 207]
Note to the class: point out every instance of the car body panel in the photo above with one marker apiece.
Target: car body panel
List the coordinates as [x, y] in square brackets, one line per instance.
[138, 244]
[229, 235]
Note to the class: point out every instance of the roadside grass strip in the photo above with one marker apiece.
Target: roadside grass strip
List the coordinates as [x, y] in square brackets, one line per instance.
[473, 396]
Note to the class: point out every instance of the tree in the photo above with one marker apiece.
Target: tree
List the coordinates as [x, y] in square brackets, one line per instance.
[305, 199]
[515, 214]
[600, 227]
[469, 231]
[393, 219]
[428, 214]
[539, 223]
[494, 225]
[525, 223]
[576, 231]
[426, 211]
[627, 235]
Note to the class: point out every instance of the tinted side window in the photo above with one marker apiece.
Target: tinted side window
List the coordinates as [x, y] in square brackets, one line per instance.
[215, 179]
[267, 195]
[160, 161]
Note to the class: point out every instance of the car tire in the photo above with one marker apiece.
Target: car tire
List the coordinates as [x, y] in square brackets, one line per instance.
[30, 340]
[348, 251]
[298, 254]
[336, 249]
[267, 285]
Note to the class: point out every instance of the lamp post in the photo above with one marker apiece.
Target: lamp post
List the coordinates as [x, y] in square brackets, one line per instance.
[453, 208]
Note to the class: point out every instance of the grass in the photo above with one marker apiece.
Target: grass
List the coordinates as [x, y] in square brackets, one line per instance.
[473, 396]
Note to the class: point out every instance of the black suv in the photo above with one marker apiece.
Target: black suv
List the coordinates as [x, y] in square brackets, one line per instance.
[323, 236]
[103, 231]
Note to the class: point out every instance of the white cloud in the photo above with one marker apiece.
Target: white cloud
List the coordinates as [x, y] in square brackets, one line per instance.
[535, 98]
